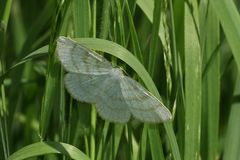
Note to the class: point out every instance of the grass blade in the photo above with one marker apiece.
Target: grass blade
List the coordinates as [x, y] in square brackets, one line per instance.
[193, 78]
[210, 84]
[43, 148]
[232, 141]
[230, 21]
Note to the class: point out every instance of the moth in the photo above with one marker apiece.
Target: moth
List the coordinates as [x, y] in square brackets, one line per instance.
[91, 78]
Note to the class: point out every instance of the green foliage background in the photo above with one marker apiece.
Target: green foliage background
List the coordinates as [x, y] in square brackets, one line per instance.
[190, 50]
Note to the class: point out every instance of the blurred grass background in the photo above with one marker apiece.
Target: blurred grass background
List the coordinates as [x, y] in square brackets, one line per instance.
[189, 48]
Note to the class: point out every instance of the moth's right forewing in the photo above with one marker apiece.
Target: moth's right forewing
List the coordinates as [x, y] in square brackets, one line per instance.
[142, 104]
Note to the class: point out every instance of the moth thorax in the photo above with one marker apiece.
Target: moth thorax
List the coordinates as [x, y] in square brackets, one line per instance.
[116, 72]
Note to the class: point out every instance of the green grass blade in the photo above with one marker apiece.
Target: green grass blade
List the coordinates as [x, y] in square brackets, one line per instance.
[232, 141]
[193, 82]
[210, 84]
[154, 39]
[172, 140]
[230, 21]
[83, 23]
[147, 7]
[5, 16]
[82, 18]
[43, 148]
[117, 135]
[35, 29]
[143, 143]
[52, 89]
[102, 142]
[94, 20]
[155, 143]
[120, 22]
[105, 22]
[19, 30]
[134, 38]
[35, 54]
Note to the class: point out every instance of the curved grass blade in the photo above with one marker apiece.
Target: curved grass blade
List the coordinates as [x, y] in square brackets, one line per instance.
[35, 54]
[43, 148]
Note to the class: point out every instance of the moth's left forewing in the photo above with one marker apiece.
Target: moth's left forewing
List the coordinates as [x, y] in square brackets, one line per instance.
[79, 59]
[65, 50]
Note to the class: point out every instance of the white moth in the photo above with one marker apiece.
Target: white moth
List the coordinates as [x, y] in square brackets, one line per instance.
[92, 79]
